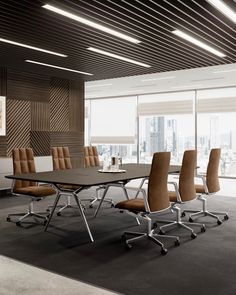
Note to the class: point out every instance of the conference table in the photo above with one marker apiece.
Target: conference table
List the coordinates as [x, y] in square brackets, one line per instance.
[84, 178]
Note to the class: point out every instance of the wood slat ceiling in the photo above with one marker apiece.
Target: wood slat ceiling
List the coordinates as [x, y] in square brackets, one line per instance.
[150, 21]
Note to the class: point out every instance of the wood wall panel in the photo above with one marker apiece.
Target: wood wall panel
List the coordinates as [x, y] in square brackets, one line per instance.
[18, 124]
[76, 106]
[40, 116]
[40, 142]
[3, 81]
[59, 105]
[27, 86]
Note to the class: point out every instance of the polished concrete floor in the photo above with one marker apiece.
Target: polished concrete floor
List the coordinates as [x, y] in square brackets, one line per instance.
[21, 278]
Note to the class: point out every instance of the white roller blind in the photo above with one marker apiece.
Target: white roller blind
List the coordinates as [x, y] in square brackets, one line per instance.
[113, 121]
[166, 104]
[216, 100]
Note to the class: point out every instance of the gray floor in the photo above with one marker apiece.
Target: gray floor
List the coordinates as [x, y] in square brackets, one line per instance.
[20, 278]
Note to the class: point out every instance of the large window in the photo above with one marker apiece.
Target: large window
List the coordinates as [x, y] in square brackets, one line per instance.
[216, 115]
[166, 123]
[113, 127]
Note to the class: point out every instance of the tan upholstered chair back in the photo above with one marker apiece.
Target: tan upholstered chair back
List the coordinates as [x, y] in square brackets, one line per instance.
[61, 158]
[186, 180]
[157, 185]
[23, 162]
[91, 156]
[212, 178]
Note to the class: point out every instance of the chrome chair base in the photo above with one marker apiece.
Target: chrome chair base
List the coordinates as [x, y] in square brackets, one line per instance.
[205, 212]
[28, 214]
[179, 223]
[98, 199]
[149, 235]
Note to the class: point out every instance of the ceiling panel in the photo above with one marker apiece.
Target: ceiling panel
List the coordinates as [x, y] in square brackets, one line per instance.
[149, 21]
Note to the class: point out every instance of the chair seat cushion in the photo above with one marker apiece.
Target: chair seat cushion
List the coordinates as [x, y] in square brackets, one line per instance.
[36, 191]
[200, 189]
[134, 205]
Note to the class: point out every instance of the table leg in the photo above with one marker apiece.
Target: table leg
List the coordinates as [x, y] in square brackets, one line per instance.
[53, 209]
[83, 216]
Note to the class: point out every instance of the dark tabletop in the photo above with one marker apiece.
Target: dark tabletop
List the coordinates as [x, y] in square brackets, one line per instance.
[90, 176]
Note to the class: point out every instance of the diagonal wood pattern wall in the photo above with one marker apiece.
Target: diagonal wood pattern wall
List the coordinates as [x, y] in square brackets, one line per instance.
[42, 112]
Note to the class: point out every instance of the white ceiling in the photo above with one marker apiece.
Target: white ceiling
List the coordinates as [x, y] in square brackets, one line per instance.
[200, 78]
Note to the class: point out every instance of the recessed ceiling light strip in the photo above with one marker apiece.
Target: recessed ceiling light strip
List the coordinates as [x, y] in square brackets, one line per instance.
[160, 78]
[90, 23]
[198, 43]
[31, 47]
[56, 67]
[98, 85]
[224, 8]
[118, 57]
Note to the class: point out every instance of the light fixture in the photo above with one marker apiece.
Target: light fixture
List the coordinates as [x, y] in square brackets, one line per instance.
[224, 8]
[187, 86]
[118, 57]
[198, 43]
[90, 23]
[224, 71]
[32, 47]
[98, 85]
[160, 78]
[56, 67]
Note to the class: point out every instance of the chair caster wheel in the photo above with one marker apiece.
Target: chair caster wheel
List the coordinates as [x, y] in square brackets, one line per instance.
[58, 213]
[226, 217]
[18, 223]
[193, 235]
[154, 225]
[48, 210]
[45, 222]
[112, 206]
[8, 219]
[177, 242]
[164, 251]
[161, 232]
[91, 206]
[190, 219]
[203, 229]
[219, 222]
[183, 214]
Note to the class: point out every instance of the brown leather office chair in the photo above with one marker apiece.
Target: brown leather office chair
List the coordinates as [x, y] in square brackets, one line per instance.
[61, 160]
[23, 162]
[91, 159]
[209, 187]
[156, 200]
[184, 192]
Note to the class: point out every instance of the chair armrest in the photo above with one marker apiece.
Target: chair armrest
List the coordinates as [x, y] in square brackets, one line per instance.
[176, 190]
[203, 178]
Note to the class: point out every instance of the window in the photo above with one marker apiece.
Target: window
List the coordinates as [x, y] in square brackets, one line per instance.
[113, 127]
[216, 113]
[166, 123]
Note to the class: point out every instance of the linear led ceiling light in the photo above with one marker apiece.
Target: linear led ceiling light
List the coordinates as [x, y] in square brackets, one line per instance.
[224, 8]
[32, 47]
[98, 85]
[198, 43]
[224, 71]
[160, 78]
[56, 67]
[90, 23]
[118, 57]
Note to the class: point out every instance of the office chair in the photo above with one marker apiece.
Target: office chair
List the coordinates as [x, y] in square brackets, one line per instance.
[209, 187]
[23, 162]
[184, 192]
[154, 201]
[61, 161]
[91, 159]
